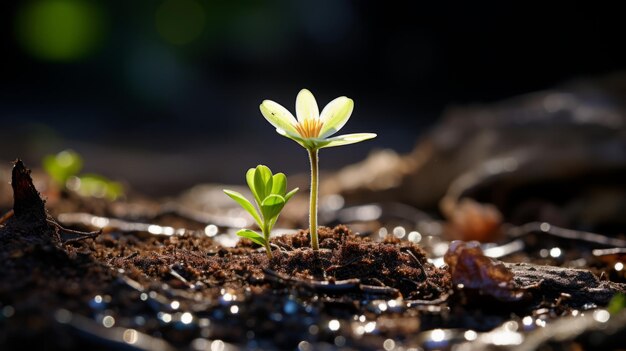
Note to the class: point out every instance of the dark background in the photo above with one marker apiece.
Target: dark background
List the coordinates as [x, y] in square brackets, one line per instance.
[165, 94]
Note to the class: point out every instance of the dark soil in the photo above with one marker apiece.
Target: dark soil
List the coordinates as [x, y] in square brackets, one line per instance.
[62, 289]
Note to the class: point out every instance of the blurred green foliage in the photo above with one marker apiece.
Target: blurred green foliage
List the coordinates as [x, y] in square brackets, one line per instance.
[617, 303]
[64, 167]
[60, 30]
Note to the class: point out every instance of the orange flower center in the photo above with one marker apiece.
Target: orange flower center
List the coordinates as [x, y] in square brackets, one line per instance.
[309, 128]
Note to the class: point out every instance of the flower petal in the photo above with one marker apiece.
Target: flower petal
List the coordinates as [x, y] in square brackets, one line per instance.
[335, 115]
[278, 116]
[347, 139]
[306, 106]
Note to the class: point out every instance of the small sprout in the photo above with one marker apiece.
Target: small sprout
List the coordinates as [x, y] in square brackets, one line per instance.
[94, 185]
[313, 131]
[64, 167]
[269, 191]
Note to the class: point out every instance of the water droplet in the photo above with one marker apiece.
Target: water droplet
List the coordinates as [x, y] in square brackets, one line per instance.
[601, 316]
[165, 317]
[217, 345]
[389, 344]
[210, 230]
[200, 344]
[370, 327]
[290, 307]
[175, 305]
[97, 303]
[618, 266]
[140, 320]
[555, 252]
[470, 335]
[438, 335]
[415, 237]
[130, 336]
[382, 232]
[234, 309]
[340, 341]
[305, 346]
[8, 311]
[63, 316]
[527, 321]
[186, 318]
[226, 298]
[510, 326]
[314, 329]
[108, 321]
[334, 325]
[399, 232]
[155, 229]
[544, 227]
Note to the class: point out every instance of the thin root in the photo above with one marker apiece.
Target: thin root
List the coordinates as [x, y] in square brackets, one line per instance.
[6, 216]
[81, 235]
[423, 275]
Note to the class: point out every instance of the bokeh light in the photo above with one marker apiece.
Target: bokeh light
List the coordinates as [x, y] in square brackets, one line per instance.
[60, 30]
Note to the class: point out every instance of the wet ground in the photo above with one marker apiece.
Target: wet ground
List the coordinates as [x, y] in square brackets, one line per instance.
[164, 278]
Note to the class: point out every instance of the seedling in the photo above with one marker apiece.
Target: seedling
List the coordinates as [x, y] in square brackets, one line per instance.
[269, 191]
[64, 169]
[62, 166]
[312, 131]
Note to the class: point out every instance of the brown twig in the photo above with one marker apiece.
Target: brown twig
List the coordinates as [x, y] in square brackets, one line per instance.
[438, 301]
[346, 286]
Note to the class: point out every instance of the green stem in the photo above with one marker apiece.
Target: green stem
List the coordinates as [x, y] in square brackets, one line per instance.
[268, 248]
[313, 200]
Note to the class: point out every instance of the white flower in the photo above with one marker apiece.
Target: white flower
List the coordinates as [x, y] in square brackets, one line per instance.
[313, 130]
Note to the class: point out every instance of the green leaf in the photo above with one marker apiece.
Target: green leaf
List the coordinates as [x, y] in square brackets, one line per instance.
[348, 139]
[271, 206]
[290, 194]
[250, 180]
[262, 181]
[279, 184]
[252, 235]
[243, 202]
